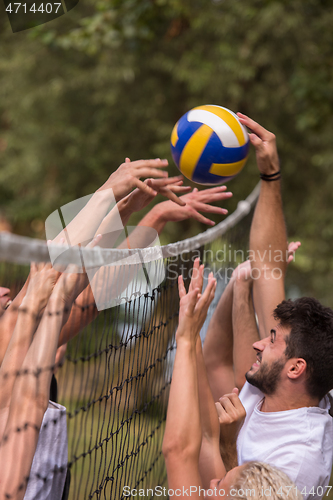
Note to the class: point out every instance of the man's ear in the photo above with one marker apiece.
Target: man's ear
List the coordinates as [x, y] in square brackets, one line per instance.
[297, 367]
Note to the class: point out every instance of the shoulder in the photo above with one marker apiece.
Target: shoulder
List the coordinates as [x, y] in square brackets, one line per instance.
[327, 403]
[314, 472]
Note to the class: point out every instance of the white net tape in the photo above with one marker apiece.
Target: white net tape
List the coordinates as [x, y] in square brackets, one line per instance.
[23, 250]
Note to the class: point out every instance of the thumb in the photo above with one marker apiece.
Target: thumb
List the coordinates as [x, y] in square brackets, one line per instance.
[127, 160]
[235, 391]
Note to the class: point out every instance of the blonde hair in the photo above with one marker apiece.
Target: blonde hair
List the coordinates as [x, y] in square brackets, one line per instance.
[262, 481]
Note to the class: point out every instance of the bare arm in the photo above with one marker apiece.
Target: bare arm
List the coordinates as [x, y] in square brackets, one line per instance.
[82, 313]
[9, 318]
[29, 398]
[182, 438]
[210, 462]
[245, 331]
[268, 237]
[244, 324]
[28, 404]
[42, 280]
[218, 346]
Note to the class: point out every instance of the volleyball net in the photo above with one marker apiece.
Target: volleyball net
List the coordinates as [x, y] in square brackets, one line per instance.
[114, 375]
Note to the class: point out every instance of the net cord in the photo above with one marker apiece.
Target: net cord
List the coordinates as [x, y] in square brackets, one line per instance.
[23, 250]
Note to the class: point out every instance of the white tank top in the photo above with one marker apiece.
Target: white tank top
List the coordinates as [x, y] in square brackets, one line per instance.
[49, 466]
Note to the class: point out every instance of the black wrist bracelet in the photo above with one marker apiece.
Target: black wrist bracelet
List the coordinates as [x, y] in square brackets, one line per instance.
[271, 177]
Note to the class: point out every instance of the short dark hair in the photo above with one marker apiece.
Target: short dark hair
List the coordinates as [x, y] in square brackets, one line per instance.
[310, 338]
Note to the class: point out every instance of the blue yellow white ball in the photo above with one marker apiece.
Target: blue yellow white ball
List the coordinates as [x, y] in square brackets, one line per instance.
[209, 145]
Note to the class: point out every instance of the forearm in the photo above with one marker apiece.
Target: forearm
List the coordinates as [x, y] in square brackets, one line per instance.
[28, 404]
[39, 360]
[86, 223]
[218, 346]
[125, 209]
[183, 427]
[244, 329]
[82, 313]
[210, 463]
[113, 223]
[17, 449]
[229, 456]
[26, 324]
[268, 236]
[8, 320]
[209, 419]
[268, 247]
[182, 437]
[154, 219]
[110, 226]
[105, 286]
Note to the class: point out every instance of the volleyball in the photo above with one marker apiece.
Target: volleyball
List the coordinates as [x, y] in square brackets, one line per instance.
[209, 145]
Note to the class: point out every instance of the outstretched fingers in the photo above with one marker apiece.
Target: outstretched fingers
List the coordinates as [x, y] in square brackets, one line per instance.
[168, 186]
[209, 293]
[143, 186]
[181, 287]
[197, 275]
[257, 129]
[169, 193]
[157, 163]
[292, 248]
[204, 207]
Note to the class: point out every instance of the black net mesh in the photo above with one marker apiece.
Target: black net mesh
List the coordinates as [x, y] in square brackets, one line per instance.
[115, 377]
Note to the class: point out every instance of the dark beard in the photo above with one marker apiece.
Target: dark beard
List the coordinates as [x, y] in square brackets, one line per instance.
[267, 377]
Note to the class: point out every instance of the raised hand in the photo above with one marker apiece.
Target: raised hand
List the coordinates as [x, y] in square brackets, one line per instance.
[193, 305]
[292, 248]
[127, 177]
[168, 188]
[196, 202]
[243, 271]
[41, 284]
[139, 199]
[265, 145]
[71, 283]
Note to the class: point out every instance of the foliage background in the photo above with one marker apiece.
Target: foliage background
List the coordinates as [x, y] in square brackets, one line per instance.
[110, 78]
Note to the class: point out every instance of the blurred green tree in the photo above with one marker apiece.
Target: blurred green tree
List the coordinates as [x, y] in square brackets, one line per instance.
[110, 79]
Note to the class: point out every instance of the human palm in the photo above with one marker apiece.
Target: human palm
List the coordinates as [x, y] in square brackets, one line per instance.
[193, 305]
[195, 202]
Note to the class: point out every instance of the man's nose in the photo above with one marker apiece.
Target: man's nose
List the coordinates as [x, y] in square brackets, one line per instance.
[260, 344]
[257, 346]
[4, 291]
